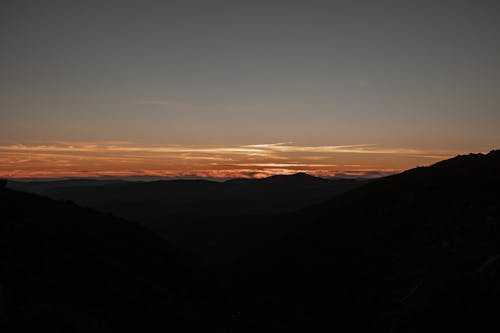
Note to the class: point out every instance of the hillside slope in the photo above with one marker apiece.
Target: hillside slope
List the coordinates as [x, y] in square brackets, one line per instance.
[413, 252]
[68, 269]
[218, 221]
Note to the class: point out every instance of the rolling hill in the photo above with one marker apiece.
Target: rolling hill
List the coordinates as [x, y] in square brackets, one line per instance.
[216, 220]
[413, 252]
[69, 269]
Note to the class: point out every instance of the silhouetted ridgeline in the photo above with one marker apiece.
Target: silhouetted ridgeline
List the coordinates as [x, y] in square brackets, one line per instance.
[143, 200]
[68, 269]
[217, 220]
[414, 252]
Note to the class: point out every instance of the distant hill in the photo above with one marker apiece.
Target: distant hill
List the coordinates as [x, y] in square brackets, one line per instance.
[414, 252]
[133, 200]
[300, 178]
[40, 187]
[218, 220]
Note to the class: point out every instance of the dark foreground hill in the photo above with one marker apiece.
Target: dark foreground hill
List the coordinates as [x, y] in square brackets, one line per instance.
[414, 252]
[69, 269]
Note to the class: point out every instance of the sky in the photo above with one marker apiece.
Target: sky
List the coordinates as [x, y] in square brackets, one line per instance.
[245, 88]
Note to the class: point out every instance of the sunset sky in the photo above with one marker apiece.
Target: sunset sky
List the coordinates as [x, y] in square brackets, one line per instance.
[245, 88]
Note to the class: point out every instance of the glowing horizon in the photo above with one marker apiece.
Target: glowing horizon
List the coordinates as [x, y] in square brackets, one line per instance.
[62, 159]
[230, 89]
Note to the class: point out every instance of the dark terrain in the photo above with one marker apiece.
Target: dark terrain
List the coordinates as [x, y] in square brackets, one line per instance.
[216, 220]
[413, 252]
[154, 200]
[69, 269]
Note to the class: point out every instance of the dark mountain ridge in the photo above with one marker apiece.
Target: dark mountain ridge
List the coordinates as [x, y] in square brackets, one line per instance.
[41, 186]
[214, 219]
[286, 180]
[69, 269]
[411, 252]
[161, 199]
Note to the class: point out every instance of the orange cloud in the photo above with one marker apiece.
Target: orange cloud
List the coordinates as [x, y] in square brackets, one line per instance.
[94, 159]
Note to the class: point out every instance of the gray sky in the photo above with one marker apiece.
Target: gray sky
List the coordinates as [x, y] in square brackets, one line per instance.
[402, 74]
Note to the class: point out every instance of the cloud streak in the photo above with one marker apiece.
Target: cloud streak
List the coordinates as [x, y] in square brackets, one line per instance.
[89, 159]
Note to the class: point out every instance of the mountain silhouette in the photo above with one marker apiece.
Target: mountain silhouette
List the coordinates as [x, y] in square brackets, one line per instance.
[300, 178]
[217, 220]
[413, 252]
[274, 194]
[69, 269]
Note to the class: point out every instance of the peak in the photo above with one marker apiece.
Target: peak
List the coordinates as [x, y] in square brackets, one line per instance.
[470, 159]
[468, 166]
[298, 178]
[494, 153]
[296, 175]
[299, 175]
[302, 175]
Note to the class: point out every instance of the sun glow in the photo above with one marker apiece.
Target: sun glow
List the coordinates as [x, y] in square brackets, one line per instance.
[122, 159]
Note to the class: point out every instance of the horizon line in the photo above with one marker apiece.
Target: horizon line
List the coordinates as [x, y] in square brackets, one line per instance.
[150, 177]
[51, 160]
